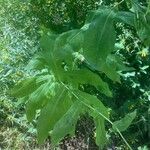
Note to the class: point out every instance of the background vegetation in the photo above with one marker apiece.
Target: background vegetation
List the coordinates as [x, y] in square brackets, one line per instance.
[21, 25]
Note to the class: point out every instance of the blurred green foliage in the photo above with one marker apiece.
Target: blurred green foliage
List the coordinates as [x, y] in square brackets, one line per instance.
[18, 43]
[61, 16]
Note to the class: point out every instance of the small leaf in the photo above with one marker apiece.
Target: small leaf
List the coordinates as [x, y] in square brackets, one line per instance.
[125, 122]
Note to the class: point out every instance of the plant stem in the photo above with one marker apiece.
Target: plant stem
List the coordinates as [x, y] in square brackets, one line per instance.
[98, 113]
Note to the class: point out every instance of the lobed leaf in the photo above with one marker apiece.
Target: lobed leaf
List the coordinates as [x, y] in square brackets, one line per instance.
[98, 112]
[52, 112]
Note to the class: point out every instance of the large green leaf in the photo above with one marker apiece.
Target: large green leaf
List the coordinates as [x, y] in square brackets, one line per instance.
[66, 125]
[52, 112]
[99, 38]
[125, 122]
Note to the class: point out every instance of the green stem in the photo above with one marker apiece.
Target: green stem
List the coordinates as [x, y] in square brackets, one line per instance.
[98, 113]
